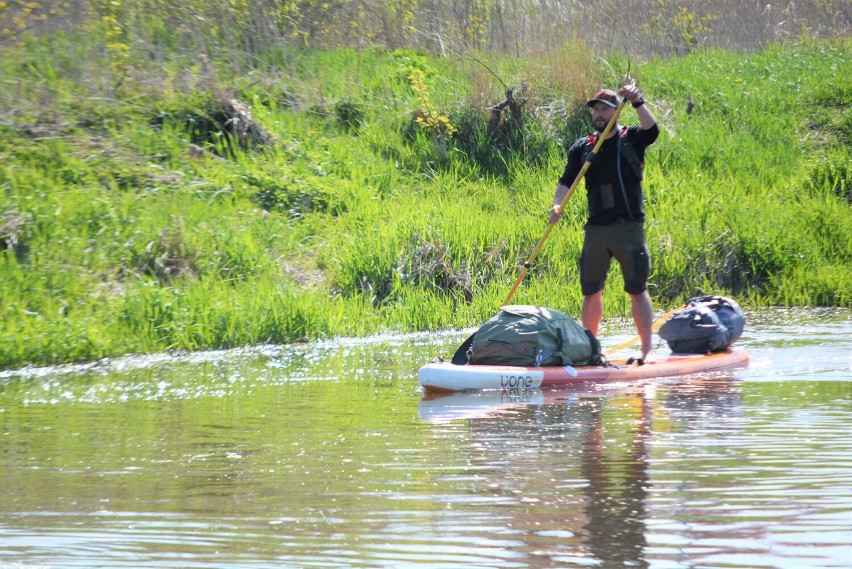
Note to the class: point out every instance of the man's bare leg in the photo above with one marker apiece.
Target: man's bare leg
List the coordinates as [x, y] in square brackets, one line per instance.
[593, 312]
[643, 317]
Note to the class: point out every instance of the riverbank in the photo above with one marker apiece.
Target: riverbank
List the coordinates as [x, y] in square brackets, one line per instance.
[198, 207]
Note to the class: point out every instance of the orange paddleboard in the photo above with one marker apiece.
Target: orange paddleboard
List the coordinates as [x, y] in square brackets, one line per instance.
[446, 377]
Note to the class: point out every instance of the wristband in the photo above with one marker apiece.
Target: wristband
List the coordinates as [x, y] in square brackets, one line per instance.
[639, 103]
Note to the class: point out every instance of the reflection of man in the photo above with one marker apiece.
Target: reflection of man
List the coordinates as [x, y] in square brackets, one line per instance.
[616, 491]
[528, 454]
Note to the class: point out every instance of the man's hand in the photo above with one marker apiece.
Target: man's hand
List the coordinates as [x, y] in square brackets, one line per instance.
[630, 93]
[634, 95]
[555, 215]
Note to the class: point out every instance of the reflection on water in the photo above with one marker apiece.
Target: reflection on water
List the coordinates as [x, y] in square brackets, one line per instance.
[328, 455]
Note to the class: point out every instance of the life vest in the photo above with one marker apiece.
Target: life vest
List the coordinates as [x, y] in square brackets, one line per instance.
[629, 153]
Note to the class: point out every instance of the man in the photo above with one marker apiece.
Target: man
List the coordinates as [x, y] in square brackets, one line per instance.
[616, 215]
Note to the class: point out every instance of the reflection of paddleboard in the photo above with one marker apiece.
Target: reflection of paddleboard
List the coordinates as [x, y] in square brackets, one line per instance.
[449, 406]
[445, 377]
[469, 405]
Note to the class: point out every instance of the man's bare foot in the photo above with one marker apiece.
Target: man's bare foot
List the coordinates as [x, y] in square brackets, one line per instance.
[648, 358]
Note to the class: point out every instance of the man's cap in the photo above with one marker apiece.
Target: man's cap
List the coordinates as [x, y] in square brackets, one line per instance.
[607, 97]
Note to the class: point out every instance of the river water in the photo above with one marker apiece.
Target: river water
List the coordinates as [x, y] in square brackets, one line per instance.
[329, 455]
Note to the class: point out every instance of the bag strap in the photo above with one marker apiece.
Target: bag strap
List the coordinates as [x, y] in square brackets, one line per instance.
[597, 355]
[539, 357]
[560, 342]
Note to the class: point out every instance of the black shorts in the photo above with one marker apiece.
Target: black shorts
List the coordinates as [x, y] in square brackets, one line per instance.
[626, 242]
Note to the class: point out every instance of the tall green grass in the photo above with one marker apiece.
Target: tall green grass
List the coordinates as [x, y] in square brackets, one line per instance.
[119, 238]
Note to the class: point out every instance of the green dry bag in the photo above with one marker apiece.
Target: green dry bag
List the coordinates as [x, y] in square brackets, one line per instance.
[533, 336]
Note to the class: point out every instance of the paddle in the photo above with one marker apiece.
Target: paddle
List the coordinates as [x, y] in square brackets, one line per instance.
[460, 357]
[561, 206]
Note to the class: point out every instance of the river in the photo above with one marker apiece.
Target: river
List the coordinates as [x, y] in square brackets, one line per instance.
[329, 455]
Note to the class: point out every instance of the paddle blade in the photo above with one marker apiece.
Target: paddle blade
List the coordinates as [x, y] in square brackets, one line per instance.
[460, 357]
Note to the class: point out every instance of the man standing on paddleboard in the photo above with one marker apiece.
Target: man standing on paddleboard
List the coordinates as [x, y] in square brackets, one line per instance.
[615, 226]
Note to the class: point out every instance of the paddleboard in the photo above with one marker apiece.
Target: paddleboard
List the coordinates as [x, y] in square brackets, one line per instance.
[446, 377]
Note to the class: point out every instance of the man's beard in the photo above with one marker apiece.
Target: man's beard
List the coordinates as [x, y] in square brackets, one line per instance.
[600, 124]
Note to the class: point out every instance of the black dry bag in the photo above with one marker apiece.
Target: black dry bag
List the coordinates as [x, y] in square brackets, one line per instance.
[705, 324]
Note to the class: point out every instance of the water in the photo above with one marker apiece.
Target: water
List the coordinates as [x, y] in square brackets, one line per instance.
[328, 455]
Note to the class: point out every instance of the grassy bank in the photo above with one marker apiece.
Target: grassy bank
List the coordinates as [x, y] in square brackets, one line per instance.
[139, 218]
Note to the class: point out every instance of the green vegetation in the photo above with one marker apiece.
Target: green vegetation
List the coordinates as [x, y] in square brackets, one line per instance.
[187, 203]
